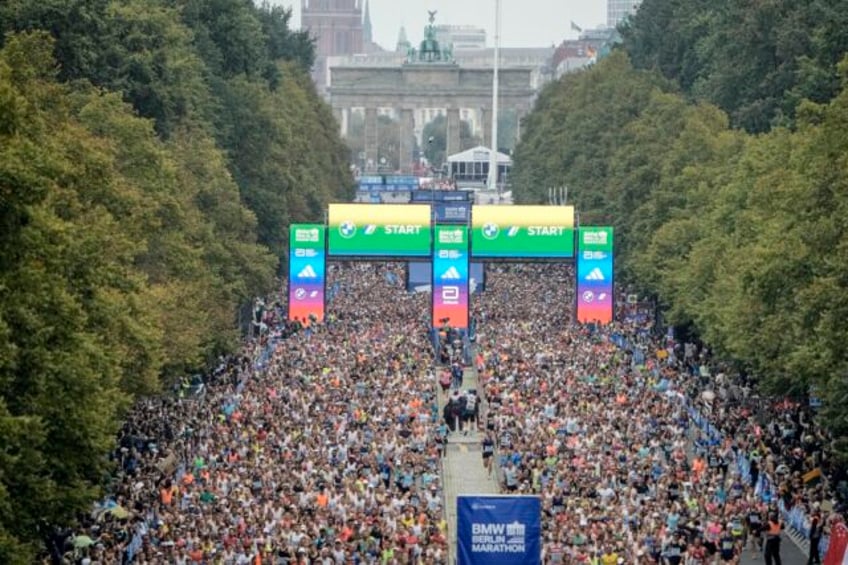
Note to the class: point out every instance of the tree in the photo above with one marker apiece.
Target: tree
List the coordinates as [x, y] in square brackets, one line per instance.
[436, 151]
[755, 60]
[74, 324]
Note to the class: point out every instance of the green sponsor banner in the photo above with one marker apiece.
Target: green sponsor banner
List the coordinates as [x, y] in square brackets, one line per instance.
[538, 232]
[380, 230]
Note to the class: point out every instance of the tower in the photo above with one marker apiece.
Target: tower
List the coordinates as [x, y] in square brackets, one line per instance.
[337, 27]
[367, 35]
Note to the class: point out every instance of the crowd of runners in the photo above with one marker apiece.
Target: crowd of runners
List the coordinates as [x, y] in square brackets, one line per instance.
[597, 421]
[323, 445]
[321, 450]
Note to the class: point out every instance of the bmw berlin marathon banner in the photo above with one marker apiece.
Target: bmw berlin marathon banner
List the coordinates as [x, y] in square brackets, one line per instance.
[450, 277]
[379, 230]
[595, 275]
[516, 232]
[307, 272]
[499, 530]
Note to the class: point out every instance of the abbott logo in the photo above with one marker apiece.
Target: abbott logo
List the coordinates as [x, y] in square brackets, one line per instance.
[450, 295]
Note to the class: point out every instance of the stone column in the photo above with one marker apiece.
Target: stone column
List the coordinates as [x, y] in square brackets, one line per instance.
[453, 137]
[519, 115]
[338, 113]
[407, 131]
[486, 121]
[370, 132]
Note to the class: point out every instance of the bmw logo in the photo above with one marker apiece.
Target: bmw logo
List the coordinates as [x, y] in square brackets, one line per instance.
[588, 296]
[300, 294]
[490, 231]
[347, 229]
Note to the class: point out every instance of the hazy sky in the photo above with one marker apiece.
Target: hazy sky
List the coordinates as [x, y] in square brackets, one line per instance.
[524, 23]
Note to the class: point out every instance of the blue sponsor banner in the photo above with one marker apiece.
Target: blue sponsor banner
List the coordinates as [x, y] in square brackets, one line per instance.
[425, 195]
[452, 213]
[499, 530]
[371, 184]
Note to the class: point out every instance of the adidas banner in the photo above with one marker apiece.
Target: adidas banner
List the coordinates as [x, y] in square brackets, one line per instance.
[595, 274]
[450, 277]
[307, 273]
[499, 530]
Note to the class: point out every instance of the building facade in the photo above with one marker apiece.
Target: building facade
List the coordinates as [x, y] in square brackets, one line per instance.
[339, 28]
[461, 38]
[617, 10]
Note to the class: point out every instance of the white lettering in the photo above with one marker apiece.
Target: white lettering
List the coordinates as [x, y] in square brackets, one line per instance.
[545, 230]
[402, 229]
[494, 529]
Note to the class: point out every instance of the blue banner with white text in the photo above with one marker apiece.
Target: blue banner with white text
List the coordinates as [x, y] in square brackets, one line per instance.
[499, 530]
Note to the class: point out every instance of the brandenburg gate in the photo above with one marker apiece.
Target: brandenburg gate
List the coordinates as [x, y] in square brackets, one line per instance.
[429, 78]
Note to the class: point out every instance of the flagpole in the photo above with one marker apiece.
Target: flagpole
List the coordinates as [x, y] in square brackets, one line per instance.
[493, 155]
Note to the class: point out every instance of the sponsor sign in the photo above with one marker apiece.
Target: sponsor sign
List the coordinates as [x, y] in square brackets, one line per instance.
[499, 530]
[452, 212]
[307, 272]
[379, 230]
[515, 232]
[595, 274]
[450, 277]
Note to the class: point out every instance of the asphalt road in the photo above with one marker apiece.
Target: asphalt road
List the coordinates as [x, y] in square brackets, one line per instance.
[790, 554]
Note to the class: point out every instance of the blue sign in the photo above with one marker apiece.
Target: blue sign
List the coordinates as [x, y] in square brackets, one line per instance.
[453, 213]
[499, 530]
[425, 195]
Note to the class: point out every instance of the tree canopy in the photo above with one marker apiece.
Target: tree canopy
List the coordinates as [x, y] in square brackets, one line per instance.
[742, 237]
[755, 60]
[152, 155]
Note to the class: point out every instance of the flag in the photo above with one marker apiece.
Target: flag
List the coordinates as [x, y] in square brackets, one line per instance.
[814, 475]
[575, 27]
[836, 554]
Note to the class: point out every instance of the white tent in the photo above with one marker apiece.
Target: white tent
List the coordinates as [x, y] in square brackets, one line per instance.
[473, 164]
[478, 154]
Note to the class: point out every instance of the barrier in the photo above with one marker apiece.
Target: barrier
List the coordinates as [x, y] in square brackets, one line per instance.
[795, 519]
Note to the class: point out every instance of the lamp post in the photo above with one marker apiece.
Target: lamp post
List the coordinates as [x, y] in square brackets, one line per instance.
[493, 155]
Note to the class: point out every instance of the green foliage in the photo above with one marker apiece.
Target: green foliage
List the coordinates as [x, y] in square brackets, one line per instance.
[388, 141]
[744, 237]
[130, 144]
[755, 60]
[436, 151]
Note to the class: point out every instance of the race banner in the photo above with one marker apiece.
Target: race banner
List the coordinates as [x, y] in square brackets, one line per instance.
[499, 530]
[522, 232]
[379, 230]
[450, 277]
[595, 275]
[307, 273]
